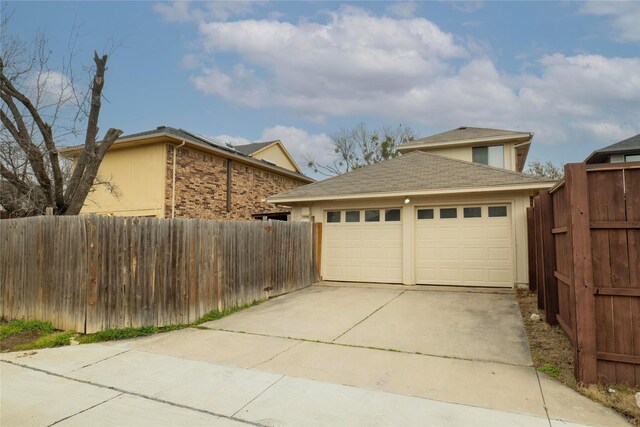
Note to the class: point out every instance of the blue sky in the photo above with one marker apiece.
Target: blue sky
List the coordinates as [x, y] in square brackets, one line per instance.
[298, 71]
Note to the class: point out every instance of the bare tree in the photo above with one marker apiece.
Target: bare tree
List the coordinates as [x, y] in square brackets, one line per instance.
[359, 146]
[40, 110]
[545, 170]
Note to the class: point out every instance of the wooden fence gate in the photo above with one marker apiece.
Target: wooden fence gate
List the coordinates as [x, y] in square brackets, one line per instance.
[586, 250]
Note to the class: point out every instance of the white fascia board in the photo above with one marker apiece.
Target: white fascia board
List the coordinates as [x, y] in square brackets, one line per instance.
[497, 188]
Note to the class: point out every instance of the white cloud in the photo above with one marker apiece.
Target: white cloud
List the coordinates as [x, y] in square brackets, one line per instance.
[402, 9]
[357, 64]
[229, 139]
[625, 17]
[188, 11]
[468, 6]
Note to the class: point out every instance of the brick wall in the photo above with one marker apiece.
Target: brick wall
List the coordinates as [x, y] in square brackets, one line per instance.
[201, 187]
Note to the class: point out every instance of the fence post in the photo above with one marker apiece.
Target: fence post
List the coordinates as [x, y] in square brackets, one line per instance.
[532, 250]
[540, 284]
[551, 306]
[580, 237]
[317, 249]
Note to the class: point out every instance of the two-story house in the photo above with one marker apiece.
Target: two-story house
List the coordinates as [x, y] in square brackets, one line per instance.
[174, 173]
[451, 210]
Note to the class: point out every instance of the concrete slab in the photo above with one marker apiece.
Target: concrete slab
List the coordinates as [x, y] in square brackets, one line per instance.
[209, 345]
[215, 388]
[31, 398]
[303, 402]
[62, 360]
[473, 326]
[484, 384]
[126, 410]
[568, 405]
[315, 313]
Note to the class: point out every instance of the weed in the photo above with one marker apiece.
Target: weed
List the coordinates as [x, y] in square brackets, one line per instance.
[56, 339]
[13, 327]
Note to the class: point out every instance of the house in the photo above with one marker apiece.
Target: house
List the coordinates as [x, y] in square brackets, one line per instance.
[168, 172]
[627, 150]
[451, 210]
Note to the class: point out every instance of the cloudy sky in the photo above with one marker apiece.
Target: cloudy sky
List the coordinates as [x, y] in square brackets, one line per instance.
[298, 71]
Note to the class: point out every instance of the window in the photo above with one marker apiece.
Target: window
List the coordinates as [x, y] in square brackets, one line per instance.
[495, 211]
[425, 213]
[333, 216]
[473, 212]
[632, 158]
[353, 216]
[372, 216]
[490, 155]
[448, 213]
[392, 215]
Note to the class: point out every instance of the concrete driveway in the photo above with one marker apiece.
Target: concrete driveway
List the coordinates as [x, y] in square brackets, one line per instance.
[327, 355]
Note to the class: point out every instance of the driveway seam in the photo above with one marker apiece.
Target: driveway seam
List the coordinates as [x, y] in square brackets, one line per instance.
[371, 347]
[84, 410]
[130, 393]
[370, 314]
[98, 361]
[544, 402]
[258, 395]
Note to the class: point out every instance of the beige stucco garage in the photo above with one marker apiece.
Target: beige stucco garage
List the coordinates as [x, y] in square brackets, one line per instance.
[427, 218]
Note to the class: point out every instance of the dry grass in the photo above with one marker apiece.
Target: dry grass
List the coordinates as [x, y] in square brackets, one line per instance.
[552, 354]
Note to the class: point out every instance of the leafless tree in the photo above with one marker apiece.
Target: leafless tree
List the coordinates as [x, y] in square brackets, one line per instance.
[545, 170]
[42, 109]
[359, 146]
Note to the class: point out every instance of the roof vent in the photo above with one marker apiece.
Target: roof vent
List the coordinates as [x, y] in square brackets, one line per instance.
[160, 127]
[462, 127]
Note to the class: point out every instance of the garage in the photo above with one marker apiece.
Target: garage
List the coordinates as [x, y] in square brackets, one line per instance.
[464, 245]
[363, 245]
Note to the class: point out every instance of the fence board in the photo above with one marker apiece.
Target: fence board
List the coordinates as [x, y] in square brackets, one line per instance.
[91, 273]
[597, 248]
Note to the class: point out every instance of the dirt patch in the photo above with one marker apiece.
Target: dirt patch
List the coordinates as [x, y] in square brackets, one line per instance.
[27, 337]
[552, 354]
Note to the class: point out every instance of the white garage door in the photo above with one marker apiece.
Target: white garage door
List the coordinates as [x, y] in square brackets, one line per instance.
[363, 245]
[464, 245]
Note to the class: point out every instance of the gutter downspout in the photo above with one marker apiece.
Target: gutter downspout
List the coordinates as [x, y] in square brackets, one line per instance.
[173, 180]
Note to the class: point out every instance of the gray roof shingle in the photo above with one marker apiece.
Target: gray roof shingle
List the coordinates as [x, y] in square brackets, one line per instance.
[413, 172]
[249, 149]
[464, 133]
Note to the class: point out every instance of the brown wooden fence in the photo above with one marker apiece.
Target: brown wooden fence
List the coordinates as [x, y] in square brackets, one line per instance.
[585, 243]
[90, 273]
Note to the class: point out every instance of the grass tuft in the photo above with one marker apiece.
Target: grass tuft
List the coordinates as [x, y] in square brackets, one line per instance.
[215, 314]
[56, 339]
[13, 327]
[551, 370]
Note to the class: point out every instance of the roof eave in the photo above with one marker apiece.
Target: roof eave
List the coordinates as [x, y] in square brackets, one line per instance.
[360, 196]
[417, 145]
[227, 154]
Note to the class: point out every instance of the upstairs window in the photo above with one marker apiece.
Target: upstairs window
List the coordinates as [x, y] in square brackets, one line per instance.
[492, 155]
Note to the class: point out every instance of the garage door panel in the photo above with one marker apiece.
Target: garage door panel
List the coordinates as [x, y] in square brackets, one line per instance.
[363, 252]
[464, 251]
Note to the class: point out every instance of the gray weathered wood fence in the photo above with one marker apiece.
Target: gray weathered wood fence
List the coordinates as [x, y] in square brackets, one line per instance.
[90, 273]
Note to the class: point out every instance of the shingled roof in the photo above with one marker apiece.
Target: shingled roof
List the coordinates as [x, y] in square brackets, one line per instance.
[249, 149]
[627, 146]
[412, 173]
[465, 133]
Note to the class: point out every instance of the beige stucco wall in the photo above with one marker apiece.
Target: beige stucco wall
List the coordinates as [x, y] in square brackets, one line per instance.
[518, 200]
[139, 194]
[464, 153]
[275, 155]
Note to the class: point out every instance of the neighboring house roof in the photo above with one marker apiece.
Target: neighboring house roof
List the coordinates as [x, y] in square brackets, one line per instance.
[627, 146]
[180, 135]
[249, 149]
[465, 134]
[414, 173]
